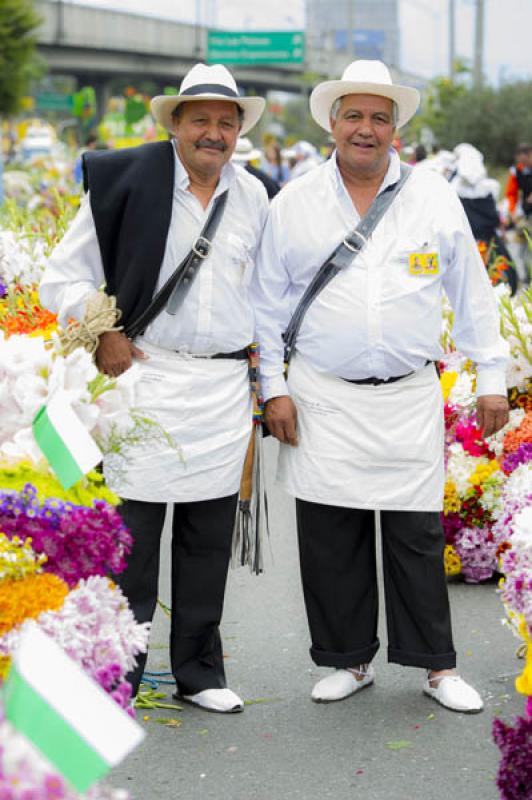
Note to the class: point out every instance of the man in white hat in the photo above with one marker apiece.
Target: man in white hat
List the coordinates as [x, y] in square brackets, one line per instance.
[360, 416]
[142, 217]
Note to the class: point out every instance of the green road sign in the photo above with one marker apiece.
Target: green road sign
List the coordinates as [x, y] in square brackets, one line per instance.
[255, 47]
[53, 101]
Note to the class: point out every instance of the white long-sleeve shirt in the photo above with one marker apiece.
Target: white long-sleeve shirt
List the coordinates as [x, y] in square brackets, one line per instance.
[216, 316]
[375, 318]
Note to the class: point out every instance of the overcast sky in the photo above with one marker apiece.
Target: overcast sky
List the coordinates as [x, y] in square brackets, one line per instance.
[424, 30]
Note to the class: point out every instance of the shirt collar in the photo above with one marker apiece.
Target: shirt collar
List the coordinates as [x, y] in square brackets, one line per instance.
[393, 172]
[227, 177]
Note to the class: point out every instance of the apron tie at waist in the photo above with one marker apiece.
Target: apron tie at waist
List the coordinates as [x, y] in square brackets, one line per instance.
[379, 381]
[238, 355]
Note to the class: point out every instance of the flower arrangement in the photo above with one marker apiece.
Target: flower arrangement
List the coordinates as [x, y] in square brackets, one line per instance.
[57, 546]
[478, 469]
[14, 475]
[31, 371]
[95, 626]
[77, 541]
[21, 313]
[26, 775]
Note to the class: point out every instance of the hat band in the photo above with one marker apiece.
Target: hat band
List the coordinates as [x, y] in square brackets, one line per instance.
[211, 88]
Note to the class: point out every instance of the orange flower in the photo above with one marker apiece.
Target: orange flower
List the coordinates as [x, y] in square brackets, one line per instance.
[27, 598]
[514, 439]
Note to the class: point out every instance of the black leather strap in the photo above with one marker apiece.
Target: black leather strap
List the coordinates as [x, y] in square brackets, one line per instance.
[178, 284]
[380, 381]
[342, 257]
[237, 355]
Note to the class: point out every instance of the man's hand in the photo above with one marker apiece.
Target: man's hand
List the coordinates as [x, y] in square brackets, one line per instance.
[115, 353]
[280, 415]
[492, 413]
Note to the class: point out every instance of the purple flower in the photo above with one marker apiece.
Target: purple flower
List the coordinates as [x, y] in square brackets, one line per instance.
[514, 777]
[78, 541]
[522, 455]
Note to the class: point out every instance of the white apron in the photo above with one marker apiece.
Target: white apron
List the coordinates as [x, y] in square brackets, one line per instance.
[205, 406]
[375, 447]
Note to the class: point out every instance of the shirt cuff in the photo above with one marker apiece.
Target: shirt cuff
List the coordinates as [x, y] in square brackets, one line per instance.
[490, 381]
[273, 386]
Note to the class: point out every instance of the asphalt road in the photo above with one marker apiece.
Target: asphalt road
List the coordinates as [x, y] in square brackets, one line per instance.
[389, 742]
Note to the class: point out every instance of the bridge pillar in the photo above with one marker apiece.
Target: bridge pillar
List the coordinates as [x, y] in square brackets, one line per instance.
[102, 87]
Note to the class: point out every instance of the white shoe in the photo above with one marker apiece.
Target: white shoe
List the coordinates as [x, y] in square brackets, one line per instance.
[341, 684]
[454, 693]
[222, 701]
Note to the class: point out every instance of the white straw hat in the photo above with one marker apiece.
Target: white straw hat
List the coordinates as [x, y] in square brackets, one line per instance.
[363, 77]
[207, 83]
[244, 151]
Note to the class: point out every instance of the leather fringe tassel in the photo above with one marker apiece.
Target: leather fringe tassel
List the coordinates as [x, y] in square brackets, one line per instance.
[251, 524]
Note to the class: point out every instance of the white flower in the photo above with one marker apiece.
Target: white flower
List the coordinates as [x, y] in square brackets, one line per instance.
[462, 393]
[495, 442]
[113, 402]
[522, 535]
[501, 290]
[460, 465]
[519, 483]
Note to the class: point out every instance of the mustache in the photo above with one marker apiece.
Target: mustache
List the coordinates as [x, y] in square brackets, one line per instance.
[221, 146]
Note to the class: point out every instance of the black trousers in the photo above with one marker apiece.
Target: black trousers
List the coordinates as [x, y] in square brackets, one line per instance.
[338, 570]
[201, 550]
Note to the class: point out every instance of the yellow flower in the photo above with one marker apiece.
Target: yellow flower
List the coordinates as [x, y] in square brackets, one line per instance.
[27, 598]
[523, 683]
[447, 381]
[483, 472]
[451, 498]
[83, 493]
[451, 560]
[17, 558]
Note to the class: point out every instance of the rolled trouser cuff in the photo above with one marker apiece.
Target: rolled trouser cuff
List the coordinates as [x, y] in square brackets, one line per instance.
[325, 658]
[424, 660]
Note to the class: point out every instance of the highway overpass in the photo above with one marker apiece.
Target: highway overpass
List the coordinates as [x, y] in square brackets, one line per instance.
[95, 45]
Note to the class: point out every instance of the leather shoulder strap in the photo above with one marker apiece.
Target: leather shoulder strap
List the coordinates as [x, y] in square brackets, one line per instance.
[342, 257]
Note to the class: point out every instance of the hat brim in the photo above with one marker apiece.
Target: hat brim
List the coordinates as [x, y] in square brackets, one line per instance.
[324, 95]
[243, 158]
[163, 104]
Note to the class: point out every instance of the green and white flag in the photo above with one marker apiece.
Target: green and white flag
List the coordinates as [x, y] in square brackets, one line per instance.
[75, 725]
[64, 440]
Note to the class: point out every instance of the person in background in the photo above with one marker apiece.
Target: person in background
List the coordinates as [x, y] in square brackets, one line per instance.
[244, 155]
[478, 194]
[91, 143]
[420, 153]
[519, 180]
[274, 165]
[518, 195]
[307, 158]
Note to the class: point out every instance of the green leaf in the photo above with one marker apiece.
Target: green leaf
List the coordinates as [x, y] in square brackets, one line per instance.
[401, 744]
[258, 700]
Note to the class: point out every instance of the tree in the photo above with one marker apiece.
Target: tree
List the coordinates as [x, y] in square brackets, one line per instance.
[493, 120]
[19, 62]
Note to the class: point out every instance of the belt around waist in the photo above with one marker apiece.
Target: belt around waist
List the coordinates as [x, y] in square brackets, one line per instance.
[237, 355]
[380, 381]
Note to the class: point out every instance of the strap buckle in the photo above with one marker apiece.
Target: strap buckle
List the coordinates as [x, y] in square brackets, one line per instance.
[202, 247]
[348, 244]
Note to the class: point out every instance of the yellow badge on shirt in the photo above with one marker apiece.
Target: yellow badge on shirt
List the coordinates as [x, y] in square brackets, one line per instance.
[423, 263]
